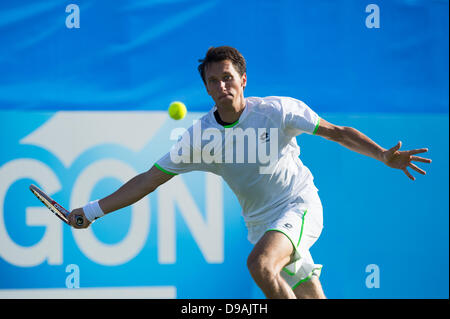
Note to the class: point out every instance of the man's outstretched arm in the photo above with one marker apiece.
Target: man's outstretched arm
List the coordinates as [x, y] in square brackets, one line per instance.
[360, 143]
[128, 194]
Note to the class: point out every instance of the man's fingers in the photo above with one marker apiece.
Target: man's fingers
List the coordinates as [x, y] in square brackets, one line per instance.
[70, 219]
[408, 174]
[420, 159]
[417, 151]
[75, 215]
[73, 221]
[417, 169]
[396, 147]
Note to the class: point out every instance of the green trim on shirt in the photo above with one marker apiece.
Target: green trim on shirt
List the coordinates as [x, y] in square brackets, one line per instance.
[317, 126]
[163, 170]
[231, 125]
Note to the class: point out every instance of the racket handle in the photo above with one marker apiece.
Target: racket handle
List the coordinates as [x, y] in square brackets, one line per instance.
[79, 220]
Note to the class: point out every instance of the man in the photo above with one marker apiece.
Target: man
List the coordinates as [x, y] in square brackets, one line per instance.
[280, 204]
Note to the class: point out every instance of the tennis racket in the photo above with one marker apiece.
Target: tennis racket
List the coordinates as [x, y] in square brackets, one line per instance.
[57, 209]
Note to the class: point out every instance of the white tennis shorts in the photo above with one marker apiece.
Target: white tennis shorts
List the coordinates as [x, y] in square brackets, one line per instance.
[302, 223]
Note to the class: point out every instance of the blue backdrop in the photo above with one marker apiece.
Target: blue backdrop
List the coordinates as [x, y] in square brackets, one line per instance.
[382, 69]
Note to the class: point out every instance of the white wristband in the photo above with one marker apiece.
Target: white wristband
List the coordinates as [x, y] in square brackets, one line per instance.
[92, 211]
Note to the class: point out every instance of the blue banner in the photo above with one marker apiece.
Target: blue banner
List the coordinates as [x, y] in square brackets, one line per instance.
[84, 93]
[338, 57]
[188, 239]
[170, 244]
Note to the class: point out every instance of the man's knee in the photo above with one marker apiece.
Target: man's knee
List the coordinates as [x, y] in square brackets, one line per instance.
[272, 252]
[261, 268]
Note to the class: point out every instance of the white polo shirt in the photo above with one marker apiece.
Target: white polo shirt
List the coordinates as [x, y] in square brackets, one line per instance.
[257, 156]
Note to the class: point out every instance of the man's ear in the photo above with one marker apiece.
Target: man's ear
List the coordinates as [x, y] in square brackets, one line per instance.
[244, 80]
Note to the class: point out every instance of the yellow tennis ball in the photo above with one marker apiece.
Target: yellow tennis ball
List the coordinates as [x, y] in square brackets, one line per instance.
[177, 110]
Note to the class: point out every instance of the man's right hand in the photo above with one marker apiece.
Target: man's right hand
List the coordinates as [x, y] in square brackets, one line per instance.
[77, 212]
[402, 159]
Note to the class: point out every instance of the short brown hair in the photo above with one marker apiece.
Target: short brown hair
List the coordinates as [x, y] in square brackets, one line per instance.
[222, 53]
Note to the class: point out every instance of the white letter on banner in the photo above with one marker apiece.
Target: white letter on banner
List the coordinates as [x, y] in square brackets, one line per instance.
[73, 279]
[132, 244]
[373, 279]
[207, 232]
[73, 19]
[373, 19]
[50, 246]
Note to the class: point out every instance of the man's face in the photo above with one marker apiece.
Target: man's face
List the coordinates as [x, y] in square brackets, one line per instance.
[224, 84]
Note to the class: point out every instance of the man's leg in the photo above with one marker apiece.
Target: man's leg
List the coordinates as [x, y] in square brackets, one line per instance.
[310, 289]
[270, 254]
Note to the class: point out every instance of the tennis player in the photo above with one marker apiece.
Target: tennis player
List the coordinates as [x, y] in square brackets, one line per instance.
[280, 203]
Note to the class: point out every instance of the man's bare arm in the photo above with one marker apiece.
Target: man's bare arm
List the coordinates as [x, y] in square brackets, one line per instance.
[133, 190]
[360, 143]
[129, 193]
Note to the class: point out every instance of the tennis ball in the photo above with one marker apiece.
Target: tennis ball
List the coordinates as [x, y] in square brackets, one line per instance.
[177, 110]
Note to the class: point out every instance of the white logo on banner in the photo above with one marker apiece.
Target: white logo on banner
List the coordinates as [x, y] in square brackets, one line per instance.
[67, 135]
